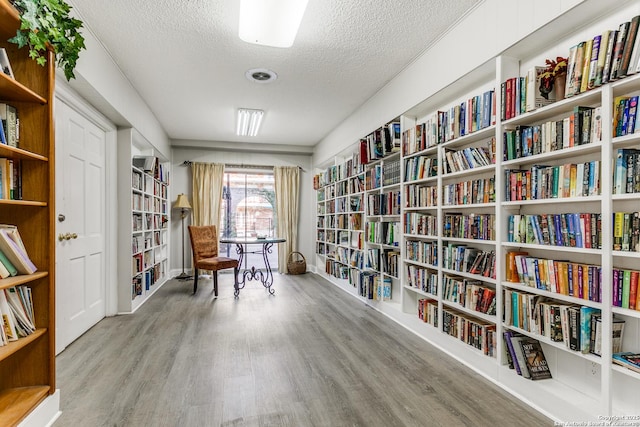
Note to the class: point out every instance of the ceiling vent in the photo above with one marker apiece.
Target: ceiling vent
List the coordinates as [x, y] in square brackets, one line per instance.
[261, 75]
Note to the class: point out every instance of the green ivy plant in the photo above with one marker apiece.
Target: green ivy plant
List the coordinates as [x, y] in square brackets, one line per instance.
[46, 23]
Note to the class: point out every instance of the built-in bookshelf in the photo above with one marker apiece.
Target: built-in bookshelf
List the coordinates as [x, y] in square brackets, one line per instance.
[27, 365]
[144, 265]
[358, 215]
[519, 221]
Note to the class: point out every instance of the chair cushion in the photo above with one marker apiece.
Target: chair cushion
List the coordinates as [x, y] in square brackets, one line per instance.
[217, 263]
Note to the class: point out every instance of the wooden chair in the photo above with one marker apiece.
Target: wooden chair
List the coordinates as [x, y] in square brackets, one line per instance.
[204, 244]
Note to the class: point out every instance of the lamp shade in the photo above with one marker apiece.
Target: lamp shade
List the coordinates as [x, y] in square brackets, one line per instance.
[182, 202]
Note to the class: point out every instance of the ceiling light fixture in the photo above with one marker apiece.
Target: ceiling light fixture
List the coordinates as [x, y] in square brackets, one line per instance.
[248, 122]
[270, 22]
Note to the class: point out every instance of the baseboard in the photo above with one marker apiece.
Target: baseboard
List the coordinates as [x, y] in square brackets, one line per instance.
[45, 414]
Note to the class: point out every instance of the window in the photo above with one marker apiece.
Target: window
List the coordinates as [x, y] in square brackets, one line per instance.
[248, 210]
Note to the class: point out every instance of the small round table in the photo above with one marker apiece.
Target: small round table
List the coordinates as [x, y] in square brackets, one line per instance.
[253, 273]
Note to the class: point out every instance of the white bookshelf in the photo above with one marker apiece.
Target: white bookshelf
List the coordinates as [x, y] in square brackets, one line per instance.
[144, 211]
[584, 386]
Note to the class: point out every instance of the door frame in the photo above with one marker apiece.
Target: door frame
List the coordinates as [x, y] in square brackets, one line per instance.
[64, 93]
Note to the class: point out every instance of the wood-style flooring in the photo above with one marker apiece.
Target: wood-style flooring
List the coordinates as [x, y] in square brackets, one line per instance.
[309, 356]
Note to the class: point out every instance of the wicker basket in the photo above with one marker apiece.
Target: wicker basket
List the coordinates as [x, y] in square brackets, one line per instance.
[298, 266]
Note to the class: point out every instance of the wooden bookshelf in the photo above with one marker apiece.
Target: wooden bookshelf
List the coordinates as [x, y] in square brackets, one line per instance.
[27, 366]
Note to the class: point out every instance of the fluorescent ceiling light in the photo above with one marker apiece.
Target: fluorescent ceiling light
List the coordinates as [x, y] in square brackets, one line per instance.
[248, 122]
[271, 22]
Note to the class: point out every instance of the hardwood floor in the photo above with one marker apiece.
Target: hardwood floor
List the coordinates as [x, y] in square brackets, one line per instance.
[308, 356]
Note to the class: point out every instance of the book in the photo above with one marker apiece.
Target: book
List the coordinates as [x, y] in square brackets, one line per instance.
[586, 62]
[593, 66]
[9, 118]
[5, 63]
[574, 70]
[627, 359]
[508, 335]
[616, 58]
[585, 327]
[606, 71]
[8, 319]
[10, 246]
[519, 355]
[629, 46]
[534, 359]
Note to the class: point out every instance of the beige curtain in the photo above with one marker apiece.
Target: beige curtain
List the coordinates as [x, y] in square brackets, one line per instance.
[287, 182]
[208, 180]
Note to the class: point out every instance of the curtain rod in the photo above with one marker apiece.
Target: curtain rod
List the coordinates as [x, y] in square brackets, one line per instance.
[240, 166]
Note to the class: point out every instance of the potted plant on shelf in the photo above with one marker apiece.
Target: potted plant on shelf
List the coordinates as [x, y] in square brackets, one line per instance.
[47, 24]
[554, 77]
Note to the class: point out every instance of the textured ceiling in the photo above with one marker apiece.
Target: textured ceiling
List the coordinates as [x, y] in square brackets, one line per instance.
[185, 59]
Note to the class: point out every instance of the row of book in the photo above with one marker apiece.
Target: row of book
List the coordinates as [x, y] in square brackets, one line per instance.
[383, 232]
[626, 171]
[350, 168]
[384, 204]
[373, 286]
[336, 269]
[421, 278]
[624, 284]
[14, 259]
[469, 192]
[389, 260]
[424, 252]
[380, 143]
[469, 293]
[606, 57]
[16, 312]
[10, 129]
[577, 230]
[474, 114]
[472, 331]
[469, 260]
[418, 223]
[626, 231]
[553, 182]
[10, 179]
[525, 356]
[152, 166]
[428, 311]
[582, 127]
[391, 172]
[575, 279]
[418, 196]
[578, 327]
[469, 158]
[469, 226]
[420, 167]
[625, 112]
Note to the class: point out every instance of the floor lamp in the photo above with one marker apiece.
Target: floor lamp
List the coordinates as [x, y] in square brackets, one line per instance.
[183, 204]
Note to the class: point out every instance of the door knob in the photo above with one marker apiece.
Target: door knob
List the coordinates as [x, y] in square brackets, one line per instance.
[60, 237]
[74, 236]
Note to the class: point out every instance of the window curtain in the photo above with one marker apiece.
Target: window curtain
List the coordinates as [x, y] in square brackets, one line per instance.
[287, 183]
[208, 180]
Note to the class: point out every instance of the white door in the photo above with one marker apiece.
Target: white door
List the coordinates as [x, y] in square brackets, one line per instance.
[80, 231]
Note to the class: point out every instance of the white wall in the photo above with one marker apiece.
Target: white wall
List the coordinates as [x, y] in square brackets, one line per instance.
[487, 31]
[104, 86]
[181, 183]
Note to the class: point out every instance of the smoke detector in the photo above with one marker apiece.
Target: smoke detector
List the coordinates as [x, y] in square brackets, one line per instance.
[261, 75]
